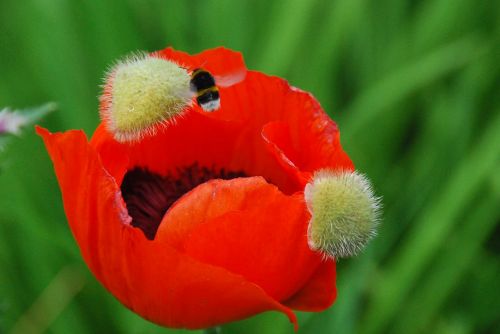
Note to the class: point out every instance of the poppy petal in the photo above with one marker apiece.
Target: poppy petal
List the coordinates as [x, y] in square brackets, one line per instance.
[150, 277]
[199, 139]
[319, 293]
[175, 290]
[315, 130]
[305, 133]
[225, 64]
[93, 206]
[277, 137]
[193, 138]
[249, 227]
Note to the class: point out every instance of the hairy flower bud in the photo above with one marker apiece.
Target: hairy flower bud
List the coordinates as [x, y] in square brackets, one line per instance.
[142, 92]
[344, 212]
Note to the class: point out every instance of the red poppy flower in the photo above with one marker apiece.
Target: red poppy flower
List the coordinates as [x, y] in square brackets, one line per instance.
[205, 222]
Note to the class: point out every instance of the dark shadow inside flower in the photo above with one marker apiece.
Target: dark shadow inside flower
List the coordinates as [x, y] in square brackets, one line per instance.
[149, 195]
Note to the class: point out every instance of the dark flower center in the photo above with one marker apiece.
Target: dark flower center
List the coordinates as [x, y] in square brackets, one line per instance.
[149, 195]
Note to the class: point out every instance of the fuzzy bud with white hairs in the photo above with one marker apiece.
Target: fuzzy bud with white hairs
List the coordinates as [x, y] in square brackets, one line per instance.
[344, 212]
[143, 92]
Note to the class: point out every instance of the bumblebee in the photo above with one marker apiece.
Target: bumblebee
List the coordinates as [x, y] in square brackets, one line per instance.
[203, 85]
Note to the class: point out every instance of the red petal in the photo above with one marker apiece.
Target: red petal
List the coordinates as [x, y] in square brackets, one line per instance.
[278, 141]
[319, 293]
[199, 139]
[220, 61]
[248, 227]
[303, 132]
[314, 139]
[192, 139]
[150, 277]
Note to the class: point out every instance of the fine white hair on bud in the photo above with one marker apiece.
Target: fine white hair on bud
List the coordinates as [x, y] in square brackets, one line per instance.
[141, 93]
[344, 212]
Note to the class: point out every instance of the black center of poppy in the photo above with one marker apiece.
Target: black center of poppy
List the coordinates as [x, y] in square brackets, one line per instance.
[149, 195]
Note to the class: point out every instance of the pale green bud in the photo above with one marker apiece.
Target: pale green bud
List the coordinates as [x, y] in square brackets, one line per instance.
[142, 92]
[344, 212]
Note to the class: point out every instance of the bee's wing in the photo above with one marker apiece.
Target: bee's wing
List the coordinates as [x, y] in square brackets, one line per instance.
[230, 79]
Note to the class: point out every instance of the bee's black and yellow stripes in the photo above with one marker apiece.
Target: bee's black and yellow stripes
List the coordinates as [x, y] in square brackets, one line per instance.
[203, 84]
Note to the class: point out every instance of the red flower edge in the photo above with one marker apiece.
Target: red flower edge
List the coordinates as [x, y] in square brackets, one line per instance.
[227, 249]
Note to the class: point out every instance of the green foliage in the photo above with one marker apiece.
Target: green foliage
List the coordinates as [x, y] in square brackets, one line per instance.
[413, 86]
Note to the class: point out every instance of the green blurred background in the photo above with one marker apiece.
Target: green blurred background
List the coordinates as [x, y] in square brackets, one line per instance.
[413, 85]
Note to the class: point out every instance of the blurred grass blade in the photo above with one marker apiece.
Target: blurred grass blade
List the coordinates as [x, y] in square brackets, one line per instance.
[68, 282]
[406, 80]
[285, 33]
[454, 106]
[322, 54]
[461, 250]
[431, 230]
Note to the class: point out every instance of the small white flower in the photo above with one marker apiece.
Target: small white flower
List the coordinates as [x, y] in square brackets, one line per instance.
[11, 122]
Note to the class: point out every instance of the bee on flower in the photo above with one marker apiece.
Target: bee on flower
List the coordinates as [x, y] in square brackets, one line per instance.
[143, 92]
